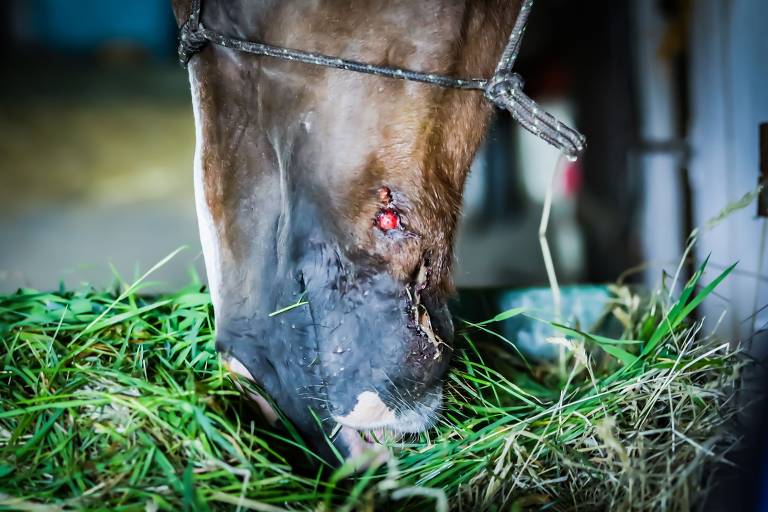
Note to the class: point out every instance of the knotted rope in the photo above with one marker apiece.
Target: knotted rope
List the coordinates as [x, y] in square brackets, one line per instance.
[504, 89]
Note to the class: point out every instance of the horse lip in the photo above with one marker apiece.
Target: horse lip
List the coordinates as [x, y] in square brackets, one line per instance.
[416, 419]
[358, 447]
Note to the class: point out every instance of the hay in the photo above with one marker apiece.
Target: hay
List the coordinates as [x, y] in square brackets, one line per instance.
[118, 401]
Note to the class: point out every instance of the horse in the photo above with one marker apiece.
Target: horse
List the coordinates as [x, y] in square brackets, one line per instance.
[327, 201]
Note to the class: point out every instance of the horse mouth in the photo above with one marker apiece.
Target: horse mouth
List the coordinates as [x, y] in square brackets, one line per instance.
[377, 441]
[414, 419]
[378, 435]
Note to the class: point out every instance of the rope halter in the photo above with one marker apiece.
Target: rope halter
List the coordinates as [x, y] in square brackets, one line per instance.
[504, 89]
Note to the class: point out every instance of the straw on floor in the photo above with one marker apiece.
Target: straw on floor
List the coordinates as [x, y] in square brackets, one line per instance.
[114, 400]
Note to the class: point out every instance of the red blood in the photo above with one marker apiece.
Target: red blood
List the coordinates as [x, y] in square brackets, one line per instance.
[387, 219]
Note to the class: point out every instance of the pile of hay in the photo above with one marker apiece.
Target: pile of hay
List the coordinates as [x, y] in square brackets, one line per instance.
[118, 401]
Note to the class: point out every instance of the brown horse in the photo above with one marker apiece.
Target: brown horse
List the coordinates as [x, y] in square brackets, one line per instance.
[338, 192]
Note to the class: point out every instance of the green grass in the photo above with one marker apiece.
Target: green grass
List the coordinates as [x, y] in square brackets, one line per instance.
[115, 400]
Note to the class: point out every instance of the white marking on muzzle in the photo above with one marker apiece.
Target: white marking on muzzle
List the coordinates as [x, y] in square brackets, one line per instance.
[369, 412]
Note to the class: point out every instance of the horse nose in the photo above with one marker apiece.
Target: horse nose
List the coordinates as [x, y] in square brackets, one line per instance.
[383, 348]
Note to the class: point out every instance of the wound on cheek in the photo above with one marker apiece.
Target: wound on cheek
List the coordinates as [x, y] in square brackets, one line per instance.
[387, 217]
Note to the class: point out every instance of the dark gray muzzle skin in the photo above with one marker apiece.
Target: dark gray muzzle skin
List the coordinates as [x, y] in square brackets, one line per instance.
[357, 333]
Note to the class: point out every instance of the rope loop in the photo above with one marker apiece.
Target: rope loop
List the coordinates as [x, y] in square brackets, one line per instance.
[505, 90]
[190, 41]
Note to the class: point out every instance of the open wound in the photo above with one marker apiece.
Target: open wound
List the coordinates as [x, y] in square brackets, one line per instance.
[387, 219]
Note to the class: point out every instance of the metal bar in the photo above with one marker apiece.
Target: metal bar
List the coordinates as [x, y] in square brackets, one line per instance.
[762, 199]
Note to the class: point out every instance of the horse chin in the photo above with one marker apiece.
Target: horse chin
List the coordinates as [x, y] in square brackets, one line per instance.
[372, 443]
[369, 446]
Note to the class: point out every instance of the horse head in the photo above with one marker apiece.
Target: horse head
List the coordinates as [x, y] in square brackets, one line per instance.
[328, 200]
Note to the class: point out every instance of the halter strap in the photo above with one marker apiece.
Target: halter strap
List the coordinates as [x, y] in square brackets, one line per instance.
[504, 89]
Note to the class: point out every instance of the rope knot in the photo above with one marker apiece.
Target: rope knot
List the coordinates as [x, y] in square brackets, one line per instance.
[505, 90]
[190, 42]
[503, 87]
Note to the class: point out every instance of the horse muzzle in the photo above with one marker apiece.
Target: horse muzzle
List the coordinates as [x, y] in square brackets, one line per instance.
[355, 346]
